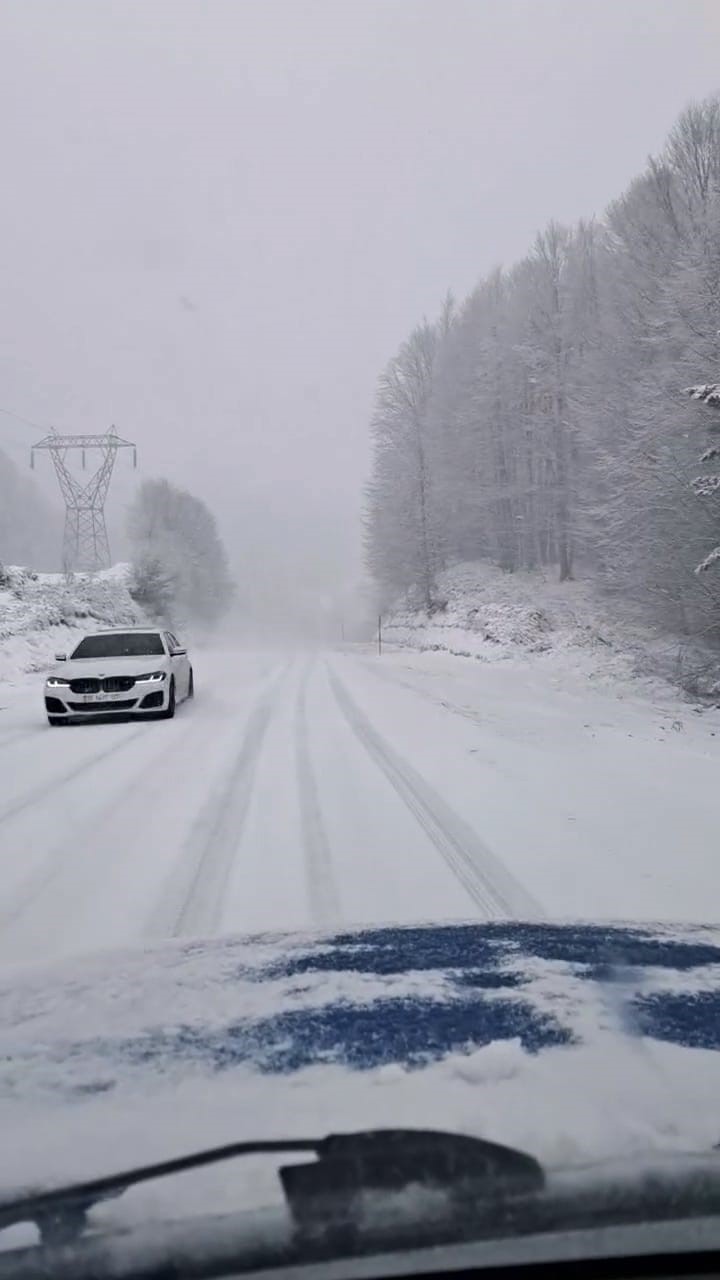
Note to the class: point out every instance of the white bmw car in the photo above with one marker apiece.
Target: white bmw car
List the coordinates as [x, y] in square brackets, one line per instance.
[136, 671]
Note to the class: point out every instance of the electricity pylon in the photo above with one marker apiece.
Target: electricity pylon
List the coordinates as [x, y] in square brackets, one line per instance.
[85, 540]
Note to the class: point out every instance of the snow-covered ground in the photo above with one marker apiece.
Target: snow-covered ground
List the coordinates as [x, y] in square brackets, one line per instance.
[334, 788]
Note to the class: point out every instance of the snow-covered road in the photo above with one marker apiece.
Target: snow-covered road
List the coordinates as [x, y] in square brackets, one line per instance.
[338, 788]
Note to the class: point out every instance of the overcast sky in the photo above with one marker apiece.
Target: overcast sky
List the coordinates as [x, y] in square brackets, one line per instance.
[219, 218]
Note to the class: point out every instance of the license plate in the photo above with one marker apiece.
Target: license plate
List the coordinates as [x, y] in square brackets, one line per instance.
[102, 697]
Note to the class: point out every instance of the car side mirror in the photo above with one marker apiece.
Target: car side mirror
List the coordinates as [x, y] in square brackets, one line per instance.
[178, 653]
[61, 657]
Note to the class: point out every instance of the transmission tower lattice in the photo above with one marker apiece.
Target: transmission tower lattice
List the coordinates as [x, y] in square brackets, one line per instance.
[85, 540]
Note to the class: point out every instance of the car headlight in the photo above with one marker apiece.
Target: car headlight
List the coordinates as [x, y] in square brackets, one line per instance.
[55, 682]
[153, 678]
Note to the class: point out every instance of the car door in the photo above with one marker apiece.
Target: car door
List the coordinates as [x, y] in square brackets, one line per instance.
[175, 667]
[180, 665]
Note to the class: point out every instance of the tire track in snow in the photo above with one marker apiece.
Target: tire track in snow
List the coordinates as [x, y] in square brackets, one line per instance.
[193, 897]
[58, 782]
[480, 720]
[122, 814]
[466, 712]
[16, 735]
[483, 719]
[322, 893]
[488, 883]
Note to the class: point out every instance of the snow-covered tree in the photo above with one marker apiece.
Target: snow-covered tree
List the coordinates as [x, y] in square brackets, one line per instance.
[708, 484]
[544, 424]
[153, 585]
[179, 562]
[402, 533]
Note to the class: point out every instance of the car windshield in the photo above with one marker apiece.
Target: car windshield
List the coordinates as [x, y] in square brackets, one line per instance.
[359, 601]
[129, 644]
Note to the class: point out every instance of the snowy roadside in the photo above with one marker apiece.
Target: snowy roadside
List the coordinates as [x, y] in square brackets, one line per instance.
[43, 613]
[566, 629]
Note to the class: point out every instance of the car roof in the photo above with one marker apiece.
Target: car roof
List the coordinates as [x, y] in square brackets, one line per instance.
[122, 631]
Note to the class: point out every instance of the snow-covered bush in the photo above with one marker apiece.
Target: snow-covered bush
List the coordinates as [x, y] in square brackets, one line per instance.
[43, 613]
[494, 616]
[153, 586]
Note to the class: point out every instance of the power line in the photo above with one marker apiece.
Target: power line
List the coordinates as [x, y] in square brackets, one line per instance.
[39, 426]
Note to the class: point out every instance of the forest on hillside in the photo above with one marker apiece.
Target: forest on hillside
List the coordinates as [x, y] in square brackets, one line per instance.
[547, 421]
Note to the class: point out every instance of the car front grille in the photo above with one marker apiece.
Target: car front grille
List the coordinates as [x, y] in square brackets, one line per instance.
[118, 684]
[92, 708]
[110, 684]
[85, 686]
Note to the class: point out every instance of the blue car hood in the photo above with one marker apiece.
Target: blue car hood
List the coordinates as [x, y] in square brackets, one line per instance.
[569, 1040]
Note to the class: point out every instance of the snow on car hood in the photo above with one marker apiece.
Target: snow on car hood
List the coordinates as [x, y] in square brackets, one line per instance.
[573, 1042]
[75, 668]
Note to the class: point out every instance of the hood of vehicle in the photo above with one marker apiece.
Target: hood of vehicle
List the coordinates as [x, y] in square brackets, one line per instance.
[570, 1041]
[80, 668]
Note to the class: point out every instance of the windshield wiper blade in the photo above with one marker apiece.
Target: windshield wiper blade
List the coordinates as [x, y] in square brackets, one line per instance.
[61, 1212]
[347, 1165]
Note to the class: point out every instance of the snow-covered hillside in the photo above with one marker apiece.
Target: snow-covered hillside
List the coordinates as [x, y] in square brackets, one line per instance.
[43, 613]
[571, 627]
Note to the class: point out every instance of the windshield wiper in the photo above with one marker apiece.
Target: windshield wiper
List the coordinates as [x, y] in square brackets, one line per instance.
[360, 1197]
[321, 1195]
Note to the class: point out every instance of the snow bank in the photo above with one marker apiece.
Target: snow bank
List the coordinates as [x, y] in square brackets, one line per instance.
[41, 613]
[490, 615]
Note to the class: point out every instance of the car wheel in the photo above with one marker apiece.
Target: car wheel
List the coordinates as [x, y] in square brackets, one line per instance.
[55, 720]
[169, 711]
[191, 685]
